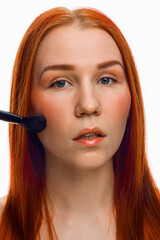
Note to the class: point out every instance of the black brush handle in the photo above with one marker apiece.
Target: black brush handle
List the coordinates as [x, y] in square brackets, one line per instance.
[10, 117]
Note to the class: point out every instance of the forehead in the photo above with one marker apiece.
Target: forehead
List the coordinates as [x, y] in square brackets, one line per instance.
[76, 46]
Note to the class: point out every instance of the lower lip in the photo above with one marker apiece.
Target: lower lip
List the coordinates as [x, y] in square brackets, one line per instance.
[90, 142]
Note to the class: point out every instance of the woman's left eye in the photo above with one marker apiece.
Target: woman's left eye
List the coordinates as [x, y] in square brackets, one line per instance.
[107, 80]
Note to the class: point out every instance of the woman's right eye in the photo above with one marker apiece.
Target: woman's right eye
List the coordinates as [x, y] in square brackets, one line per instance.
[59, 84]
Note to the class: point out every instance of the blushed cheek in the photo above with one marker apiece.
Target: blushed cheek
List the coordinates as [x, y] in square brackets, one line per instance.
[36, 102]
[118, 118]
[119, 109]
[40, 103]
[52, 108]
[123, 106]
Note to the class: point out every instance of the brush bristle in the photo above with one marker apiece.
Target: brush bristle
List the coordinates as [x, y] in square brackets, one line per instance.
[34, 123]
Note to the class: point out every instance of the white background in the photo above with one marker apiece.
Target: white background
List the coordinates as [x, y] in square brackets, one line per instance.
[139, 20]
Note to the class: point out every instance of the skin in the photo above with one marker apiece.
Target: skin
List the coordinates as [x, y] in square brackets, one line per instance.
[80, 179]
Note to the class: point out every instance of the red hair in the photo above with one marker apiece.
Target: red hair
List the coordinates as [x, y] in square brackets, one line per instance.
[136, 196]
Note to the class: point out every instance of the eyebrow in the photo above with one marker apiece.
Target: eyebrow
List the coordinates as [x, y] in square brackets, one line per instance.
[69, 67]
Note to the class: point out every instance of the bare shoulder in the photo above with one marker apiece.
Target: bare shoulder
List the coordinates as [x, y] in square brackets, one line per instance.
[2, 204]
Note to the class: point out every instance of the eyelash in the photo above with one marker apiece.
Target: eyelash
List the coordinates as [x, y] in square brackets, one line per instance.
[63, 80]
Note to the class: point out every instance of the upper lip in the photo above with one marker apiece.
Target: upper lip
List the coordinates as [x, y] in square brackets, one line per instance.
[95, 130]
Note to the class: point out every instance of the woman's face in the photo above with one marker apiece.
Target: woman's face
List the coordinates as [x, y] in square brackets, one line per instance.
[91, 92]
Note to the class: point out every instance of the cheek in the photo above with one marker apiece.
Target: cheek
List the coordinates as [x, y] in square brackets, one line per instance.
[122, 106]
[54, 109]
[122, 103]
[116, 116]
[117, 109]
[46, 105]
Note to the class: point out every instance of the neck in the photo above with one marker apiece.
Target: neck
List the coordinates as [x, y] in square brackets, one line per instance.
[79, 191]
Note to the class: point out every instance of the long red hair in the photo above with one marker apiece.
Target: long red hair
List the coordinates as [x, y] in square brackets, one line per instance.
[136, 196]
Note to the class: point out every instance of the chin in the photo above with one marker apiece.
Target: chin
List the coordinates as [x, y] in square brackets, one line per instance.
[91, 162]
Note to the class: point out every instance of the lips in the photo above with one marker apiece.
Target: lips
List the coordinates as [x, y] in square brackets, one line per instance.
[94, 130]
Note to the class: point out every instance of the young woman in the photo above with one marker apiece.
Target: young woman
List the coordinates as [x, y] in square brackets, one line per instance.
[86, 175]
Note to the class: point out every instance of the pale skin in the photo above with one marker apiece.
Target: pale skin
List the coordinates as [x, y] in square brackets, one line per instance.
[80, 179]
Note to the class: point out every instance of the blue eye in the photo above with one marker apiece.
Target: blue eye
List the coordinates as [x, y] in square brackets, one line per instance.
[107, 80]
[59, 83]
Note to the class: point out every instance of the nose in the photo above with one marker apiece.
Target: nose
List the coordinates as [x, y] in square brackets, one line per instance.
[87, 103]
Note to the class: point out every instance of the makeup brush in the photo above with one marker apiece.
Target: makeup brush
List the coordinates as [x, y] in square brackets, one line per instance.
[33, 123]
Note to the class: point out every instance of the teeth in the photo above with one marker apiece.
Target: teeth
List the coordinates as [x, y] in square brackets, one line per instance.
[89, 136]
